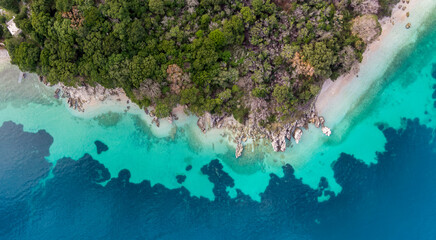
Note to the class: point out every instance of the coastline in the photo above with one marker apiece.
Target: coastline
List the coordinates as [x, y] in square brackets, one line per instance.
[339, 97]
[135, 146]
[333, 102]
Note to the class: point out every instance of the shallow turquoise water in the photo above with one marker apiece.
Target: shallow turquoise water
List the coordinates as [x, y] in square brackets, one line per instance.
[134, 144]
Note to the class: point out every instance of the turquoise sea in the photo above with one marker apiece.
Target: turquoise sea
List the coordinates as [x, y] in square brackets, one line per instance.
[372, 179]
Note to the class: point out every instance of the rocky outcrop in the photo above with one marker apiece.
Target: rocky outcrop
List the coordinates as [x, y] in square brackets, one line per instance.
[366, 27]
[156, 120]
[278, 138]
[207, 121]
[201, 123]
[77, 97]
[321, 121]
[239, 149]
[365, 6]
[278, 142]
[297, 135]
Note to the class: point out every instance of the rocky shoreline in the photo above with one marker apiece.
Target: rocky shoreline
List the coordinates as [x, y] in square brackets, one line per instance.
[366, 27]
[277, 138]
[79, 97]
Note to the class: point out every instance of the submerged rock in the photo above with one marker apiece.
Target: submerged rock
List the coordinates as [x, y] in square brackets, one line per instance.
[57, 92]
[180, 178]
[188, 168]
[433, 71]
[101, 147]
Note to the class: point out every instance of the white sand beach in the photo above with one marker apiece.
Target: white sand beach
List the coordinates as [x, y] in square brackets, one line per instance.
[339, 97]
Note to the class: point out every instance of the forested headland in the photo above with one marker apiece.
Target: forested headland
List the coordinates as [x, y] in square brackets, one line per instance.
[232, 57]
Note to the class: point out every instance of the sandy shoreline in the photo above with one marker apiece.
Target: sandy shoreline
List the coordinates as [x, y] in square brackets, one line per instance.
[337, 98]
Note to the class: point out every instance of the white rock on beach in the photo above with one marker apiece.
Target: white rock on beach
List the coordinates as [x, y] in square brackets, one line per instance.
[326, 131]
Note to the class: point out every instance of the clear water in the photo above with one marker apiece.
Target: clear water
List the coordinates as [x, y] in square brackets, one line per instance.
[372, 179]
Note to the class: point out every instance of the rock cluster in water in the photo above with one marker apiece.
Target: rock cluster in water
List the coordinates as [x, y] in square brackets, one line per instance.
[278, 138]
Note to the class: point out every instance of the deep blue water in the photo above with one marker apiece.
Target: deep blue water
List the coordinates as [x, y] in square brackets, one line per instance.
[394, 199]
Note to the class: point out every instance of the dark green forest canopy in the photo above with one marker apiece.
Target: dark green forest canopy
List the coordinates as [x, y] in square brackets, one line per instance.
[219, 56]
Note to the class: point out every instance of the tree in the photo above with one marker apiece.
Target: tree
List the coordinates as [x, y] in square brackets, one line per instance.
[156, 6]
[26, 55]
[189, 95]
[259, 92]
[225, 95]
[288, 51]
[204, 21]
[162, 109]
[142, 68]
[64, 5]
[233, 30]
[13, 5]
[217, 38]
[257, 6]
[248, 15]
[320, 57]
[136, 32]
[282, 94]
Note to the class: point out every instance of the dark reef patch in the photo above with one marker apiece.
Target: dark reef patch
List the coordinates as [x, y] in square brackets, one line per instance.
[393, 199]
[109, 119]
[434, 92]
[433, 71]
[101, 147]
[181, 178]
[188, 168]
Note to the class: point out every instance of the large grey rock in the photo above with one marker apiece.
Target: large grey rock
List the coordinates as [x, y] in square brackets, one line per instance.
[239, 149]
[78, 97]
[297, 134]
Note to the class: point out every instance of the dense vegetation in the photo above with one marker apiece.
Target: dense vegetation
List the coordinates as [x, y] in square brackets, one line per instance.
[219, 56]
